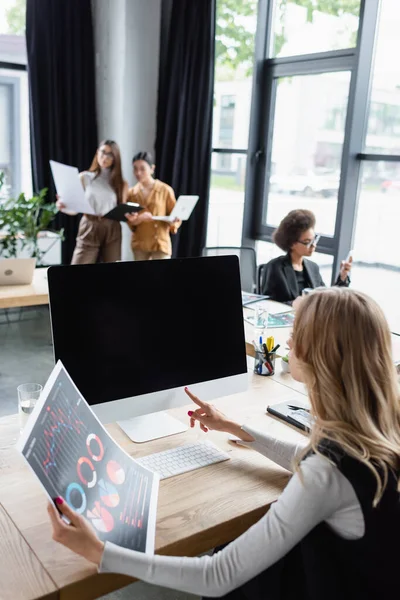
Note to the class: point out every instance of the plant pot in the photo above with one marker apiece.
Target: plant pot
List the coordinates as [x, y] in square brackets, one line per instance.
[285, 367]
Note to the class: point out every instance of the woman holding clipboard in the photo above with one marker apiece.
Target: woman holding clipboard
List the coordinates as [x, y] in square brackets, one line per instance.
[105, 188]
[150, 238]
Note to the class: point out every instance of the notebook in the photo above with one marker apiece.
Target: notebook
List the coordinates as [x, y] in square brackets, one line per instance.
[118, 212]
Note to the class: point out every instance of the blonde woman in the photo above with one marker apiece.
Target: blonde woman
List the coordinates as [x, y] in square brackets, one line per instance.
[333, 533]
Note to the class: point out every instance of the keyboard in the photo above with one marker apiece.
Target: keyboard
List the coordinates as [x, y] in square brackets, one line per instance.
[183, 459]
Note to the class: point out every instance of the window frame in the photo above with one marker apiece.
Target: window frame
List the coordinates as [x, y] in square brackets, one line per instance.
[359, 60]
[14, 124]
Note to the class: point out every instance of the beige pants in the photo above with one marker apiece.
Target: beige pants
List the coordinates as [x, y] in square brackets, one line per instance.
[141, 255]
[97, 239]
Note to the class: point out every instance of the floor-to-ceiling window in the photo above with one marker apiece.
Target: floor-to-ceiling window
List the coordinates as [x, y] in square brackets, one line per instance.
[235, 38]
[376, 248]
[309, 62]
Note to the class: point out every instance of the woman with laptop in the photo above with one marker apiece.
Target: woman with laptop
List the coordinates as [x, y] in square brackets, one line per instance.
[151, 238]
[284, 278]
[334, 531]
[105, 187]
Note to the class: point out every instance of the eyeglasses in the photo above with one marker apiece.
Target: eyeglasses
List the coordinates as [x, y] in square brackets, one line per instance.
[310, 243]
[106, 154]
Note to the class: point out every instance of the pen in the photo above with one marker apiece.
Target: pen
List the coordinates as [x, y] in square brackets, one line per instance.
[275, 349]
[269, 366]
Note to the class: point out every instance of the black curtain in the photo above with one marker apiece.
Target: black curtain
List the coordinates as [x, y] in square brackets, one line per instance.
[184, 112]
[59, 36]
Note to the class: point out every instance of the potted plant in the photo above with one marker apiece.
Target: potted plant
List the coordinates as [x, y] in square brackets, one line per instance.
[285, 364]
[22, 221]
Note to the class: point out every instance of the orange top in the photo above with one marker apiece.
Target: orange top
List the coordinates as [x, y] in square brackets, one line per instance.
[154, 236]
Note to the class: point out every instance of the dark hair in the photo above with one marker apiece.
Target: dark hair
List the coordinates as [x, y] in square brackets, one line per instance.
[143, 156]
[291, 228]
[117, 181]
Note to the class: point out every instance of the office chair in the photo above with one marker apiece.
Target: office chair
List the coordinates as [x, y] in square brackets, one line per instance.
[247, 263]
[262, 271]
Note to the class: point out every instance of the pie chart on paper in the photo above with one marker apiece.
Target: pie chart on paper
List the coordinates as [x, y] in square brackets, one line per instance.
[101, 519]
[115, 472]
[108, 494]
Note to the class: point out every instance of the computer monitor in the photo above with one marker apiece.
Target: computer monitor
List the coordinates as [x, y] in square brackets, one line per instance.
[133, 334]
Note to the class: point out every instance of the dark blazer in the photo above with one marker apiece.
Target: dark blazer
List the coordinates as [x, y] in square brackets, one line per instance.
[278, 279]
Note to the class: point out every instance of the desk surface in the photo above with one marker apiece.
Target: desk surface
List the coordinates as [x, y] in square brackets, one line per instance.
[247, 484]
[36, 293]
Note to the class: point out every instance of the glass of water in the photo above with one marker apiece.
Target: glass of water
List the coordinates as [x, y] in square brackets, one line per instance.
[28, 395]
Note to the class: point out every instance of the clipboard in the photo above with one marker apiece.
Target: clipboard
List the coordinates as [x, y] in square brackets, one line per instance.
[118, 212]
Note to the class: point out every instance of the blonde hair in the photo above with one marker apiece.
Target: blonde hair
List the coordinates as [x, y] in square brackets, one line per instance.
[343, 344]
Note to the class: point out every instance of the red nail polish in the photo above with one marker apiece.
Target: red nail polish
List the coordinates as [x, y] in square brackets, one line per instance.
[186, 389]
[190, 412]
[59, 500]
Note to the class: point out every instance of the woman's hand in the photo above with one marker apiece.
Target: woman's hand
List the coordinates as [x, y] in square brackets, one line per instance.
[60, 204]
[174, 226]
[210, 417]
[137, 218]
[78, 536]
[345, 268]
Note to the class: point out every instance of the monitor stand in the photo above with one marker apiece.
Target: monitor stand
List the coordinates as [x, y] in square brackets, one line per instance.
[151, 427]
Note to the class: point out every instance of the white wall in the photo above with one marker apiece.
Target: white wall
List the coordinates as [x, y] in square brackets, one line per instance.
[127, 36]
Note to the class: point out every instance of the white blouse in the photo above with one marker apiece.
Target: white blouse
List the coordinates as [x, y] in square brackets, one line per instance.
[323, 494]
[98, 191]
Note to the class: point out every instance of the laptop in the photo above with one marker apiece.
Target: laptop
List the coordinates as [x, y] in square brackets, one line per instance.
[17, 271]
[182, 209]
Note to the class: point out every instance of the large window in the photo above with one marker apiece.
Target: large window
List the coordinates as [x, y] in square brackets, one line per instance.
[308, 133]
[324, 135]
[376, 249]
[235, 38]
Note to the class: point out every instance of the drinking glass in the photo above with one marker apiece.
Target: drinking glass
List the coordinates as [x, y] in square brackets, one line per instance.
[28, 395]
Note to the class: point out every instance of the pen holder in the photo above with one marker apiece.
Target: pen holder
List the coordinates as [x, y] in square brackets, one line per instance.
[260, 364]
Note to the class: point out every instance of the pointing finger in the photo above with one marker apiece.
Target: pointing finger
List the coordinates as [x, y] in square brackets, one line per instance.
[196, 400]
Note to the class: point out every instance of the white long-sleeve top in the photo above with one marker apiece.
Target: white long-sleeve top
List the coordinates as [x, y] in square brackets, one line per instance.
[323, 495]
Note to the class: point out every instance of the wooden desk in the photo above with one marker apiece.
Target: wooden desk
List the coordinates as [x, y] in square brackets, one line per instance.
[194, 514]
[15, 296]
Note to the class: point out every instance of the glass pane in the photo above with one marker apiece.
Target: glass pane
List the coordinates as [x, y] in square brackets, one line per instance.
[307, 147]
[376, 269]
[267, 251]
[234, 50]
[12, 18]
[383, 134]
[308, 26]
[225, 212]
[15, 154]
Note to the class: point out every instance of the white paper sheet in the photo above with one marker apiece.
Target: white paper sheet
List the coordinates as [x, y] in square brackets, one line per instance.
[69, 188]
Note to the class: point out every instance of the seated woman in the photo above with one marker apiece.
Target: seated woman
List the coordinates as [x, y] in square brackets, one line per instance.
[150, 238]
[334, 530]
[287, 276]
